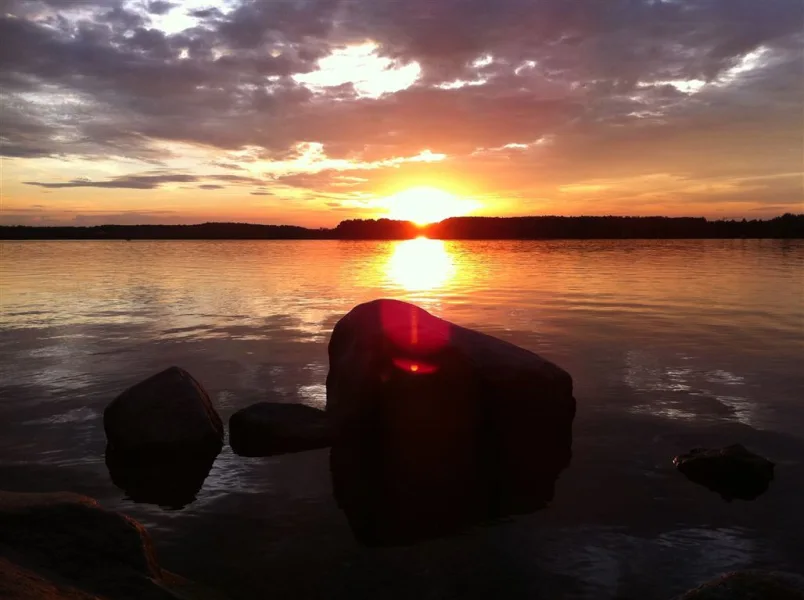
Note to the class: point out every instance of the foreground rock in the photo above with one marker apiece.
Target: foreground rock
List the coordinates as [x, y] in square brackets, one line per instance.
[732, 472]
[64, 546]
[270, 428]
[439, 427]
[169, 482]
[750, 585]
[168, 414]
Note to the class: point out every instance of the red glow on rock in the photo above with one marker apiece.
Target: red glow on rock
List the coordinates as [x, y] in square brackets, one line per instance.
[414, 366]
[411, 328]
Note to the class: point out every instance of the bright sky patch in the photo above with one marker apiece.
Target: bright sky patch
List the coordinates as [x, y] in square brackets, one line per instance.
[370, 74]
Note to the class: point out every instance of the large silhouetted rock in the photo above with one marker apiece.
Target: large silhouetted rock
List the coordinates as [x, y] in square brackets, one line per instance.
[64, 546]
[750, 585]
[168, 414]
[269, 428]
[732, 472]
[438, 427]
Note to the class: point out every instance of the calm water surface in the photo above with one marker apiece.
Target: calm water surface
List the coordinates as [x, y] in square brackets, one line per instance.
[672, 345]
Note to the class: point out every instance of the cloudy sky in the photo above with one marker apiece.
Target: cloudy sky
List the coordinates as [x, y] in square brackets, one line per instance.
[312, 111]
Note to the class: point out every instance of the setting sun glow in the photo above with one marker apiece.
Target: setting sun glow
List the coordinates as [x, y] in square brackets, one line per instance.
[424, 205]
[421, 265]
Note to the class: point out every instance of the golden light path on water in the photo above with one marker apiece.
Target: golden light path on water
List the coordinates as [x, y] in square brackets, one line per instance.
[421, 265]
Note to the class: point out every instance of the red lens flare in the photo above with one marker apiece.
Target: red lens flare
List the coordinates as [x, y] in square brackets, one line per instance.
[414, 366]
[411, 328]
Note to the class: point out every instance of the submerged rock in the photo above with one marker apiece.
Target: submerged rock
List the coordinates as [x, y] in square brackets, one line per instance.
[732, 472]
[438, 427]
[750, 585]
[269, 428]
[168, 414]
[170, 482]
[64, 546]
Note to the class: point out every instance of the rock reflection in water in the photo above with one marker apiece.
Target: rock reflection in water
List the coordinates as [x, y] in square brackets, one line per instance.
[171, 483]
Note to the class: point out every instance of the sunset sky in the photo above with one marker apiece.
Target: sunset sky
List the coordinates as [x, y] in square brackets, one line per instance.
[313, 111]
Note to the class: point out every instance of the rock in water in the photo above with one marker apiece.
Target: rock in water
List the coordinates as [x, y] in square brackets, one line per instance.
[270, 428]
[438, 427]
[171, 483]
[167, 415]
[732, 472]
[163, 435]
[750, 585]
[64, 546]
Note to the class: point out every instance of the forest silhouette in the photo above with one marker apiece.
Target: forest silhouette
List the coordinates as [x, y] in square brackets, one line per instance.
[457, 228]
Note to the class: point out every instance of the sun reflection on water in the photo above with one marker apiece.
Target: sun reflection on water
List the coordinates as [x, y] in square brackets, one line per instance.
[421, 265]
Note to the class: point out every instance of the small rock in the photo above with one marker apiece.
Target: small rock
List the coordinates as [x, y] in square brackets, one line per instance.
[64, 546]
[438, 427]
[732, 472]
[270, 428]
[750, 585]
[167, 415]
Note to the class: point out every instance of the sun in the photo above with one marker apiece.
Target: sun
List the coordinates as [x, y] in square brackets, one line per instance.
[424, 205]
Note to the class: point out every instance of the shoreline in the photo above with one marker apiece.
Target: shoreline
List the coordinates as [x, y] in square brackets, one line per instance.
[787, 226]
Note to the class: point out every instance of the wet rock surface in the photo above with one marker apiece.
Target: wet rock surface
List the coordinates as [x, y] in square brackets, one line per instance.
[732, 471]
[750, 585]
[65, 546]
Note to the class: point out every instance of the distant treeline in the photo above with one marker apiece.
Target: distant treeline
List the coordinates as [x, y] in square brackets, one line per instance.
[786, 226]
[468, 228]
[205, 231]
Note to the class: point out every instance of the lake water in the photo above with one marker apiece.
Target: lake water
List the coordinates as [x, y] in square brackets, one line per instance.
[672, 345]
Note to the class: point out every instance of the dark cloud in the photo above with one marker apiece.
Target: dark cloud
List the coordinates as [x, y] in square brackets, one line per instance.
[225, 164]
[618, 39]
[89, 218]
[206, 13]
[252, 23]
[236, 178]
[23, 151]
[146, 181]
[134, 182]
[328, 179]
[134, 80]
[210, 186]
[121, 19]
[159, 7]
